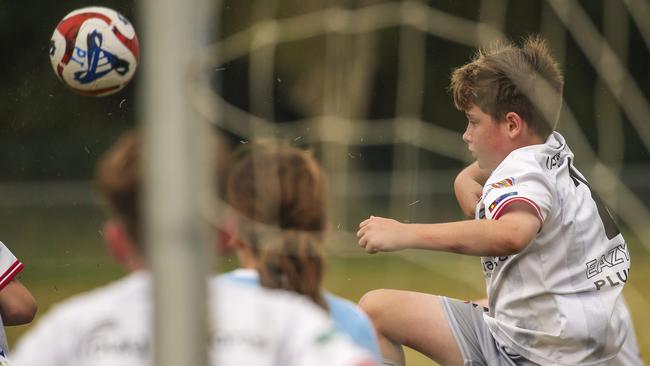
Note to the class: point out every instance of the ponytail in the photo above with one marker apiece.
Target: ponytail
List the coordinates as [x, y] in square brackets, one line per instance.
[279, 193]
[293, 261]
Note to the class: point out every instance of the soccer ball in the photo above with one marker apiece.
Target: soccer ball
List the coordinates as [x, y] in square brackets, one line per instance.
[94, 51]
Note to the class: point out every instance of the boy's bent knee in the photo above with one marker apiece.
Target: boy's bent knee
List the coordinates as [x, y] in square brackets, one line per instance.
[371, 302]
[381, 305]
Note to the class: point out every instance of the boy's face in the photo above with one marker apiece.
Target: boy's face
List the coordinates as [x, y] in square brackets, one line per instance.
[486, 138]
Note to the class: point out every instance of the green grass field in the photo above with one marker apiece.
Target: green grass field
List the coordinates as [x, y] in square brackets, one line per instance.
[64, 255]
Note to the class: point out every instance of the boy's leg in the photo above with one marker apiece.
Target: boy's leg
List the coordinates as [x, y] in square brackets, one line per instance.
[412, 319]
[392, 353]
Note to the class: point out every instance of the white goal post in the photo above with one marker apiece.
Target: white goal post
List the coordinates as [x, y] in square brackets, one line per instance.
[175, 179]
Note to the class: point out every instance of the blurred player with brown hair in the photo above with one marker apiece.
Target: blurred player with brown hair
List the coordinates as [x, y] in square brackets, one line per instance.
[278, 197]
[112, 324]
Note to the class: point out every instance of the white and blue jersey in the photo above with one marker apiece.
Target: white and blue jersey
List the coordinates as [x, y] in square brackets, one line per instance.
[112, 325]
[347, 316]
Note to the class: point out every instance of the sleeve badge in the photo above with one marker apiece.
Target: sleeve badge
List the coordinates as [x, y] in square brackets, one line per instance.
[501, 198]
[508, 182]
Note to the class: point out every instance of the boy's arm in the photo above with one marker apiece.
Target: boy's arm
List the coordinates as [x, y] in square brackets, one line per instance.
[510, 234]
[17, 305]
[468, 187]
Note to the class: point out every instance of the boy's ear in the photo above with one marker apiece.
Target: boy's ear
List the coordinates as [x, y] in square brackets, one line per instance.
[228, 234]
[117, 240]
[224, 237]
[515, 125]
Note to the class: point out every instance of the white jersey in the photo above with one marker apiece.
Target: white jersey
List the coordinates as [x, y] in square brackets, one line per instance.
[557, 301]
[111, 326]
[10, 266]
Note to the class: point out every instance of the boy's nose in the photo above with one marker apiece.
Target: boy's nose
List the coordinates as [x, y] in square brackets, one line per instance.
[466, 137]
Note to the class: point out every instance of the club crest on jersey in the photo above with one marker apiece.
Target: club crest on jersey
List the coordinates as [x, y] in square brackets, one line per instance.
[501, 198]
[553, 161]
[508, 182]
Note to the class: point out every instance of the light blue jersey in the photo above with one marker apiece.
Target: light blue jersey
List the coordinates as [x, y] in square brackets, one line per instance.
[347, 316]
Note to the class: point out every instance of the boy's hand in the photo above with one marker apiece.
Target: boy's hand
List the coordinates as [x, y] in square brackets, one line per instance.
[468, 187]
[378, 234]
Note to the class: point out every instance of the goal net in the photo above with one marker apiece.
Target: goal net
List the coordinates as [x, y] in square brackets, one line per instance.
[364, 84]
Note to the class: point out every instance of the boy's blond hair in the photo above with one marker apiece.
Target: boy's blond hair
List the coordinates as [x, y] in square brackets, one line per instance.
[507, 78]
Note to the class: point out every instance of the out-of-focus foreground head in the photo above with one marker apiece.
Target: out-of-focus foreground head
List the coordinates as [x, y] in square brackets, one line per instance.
[117, 180]
[279, 194]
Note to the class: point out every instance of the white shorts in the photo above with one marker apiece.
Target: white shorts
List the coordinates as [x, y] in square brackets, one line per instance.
[474, 339]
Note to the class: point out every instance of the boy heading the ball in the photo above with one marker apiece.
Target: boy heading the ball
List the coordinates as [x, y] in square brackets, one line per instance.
[539, 229]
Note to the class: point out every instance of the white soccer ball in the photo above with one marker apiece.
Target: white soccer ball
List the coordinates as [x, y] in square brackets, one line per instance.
[94, 51]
